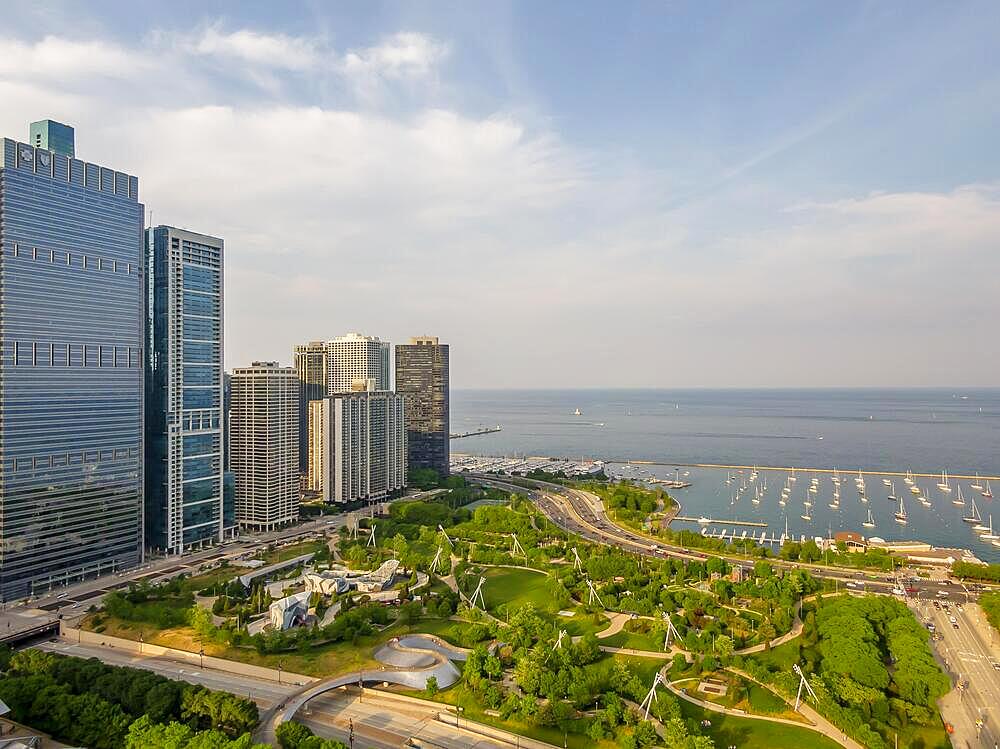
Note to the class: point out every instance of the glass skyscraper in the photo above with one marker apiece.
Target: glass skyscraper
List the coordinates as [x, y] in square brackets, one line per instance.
[185, 497]
[71, 375]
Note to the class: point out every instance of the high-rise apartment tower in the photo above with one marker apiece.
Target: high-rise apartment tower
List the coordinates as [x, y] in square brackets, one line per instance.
[422, 378]
[264, 445]
[310, 366]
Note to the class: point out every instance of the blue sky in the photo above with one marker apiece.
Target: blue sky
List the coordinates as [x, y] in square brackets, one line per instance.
[571, 194]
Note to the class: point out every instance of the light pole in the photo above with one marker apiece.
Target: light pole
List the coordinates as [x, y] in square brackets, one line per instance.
[279, 672]
[201, 657]
[142, 639]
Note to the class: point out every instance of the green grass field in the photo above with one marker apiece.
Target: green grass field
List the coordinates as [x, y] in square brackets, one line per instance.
[511, 588]
[780, 658]
[747, 733]
[636, 640]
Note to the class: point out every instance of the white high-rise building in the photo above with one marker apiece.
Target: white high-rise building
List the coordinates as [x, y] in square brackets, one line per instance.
[264, 445]
[359, 440]
[357, 361]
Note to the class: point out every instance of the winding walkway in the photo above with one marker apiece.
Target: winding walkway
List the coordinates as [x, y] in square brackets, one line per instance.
[816, 721]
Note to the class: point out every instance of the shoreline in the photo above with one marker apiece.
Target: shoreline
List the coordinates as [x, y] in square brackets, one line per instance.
[737, 467]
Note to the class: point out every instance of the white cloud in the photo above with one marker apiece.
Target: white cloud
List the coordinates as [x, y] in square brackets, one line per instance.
[57, 58]
[403, 55]
[256, 48]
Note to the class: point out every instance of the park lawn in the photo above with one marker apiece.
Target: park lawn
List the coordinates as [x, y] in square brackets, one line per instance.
[754, 699]
[652, 641]
[780, 658]
[446, 629]
[748, 733]
[510, 588]
[516, 588]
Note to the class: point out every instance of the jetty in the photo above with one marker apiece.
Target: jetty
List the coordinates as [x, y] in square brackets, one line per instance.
[477, 432]
[711, 521]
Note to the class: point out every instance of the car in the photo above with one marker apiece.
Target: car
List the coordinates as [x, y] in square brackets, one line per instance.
[942, 594]
[954, 625]
[897, 591]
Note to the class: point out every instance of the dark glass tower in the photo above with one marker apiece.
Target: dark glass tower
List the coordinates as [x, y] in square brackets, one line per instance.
[422, 378]
[71, 374]
[184, 392]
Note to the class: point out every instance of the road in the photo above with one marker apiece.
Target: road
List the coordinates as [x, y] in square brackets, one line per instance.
[969, 653]
[582, 513]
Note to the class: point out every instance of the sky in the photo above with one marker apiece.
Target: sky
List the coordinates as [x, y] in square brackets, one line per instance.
[570, 194]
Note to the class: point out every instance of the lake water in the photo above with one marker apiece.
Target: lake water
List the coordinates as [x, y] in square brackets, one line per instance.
[926, 431]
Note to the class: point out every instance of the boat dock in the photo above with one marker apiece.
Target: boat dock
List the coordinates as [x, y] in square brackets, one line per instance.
[712, 521]
[476, 433]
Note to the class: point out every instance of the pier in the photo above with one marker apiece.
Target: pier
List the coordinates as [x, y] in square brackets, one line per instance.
[712, 521]
[477, 432]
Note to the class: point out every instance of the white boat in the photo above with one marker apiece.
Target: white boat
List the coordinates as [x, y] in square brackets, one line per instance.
[704, 521]
[959, 501]
[782, 501]
[943, 485]
[987, 492]
[915, 490]
[892, 492]
[975, 484]
[814, 489]
[989, 536]
[578, 412]
[836, 476]
[835, 505]
[870, 522]
[863, 498]
[901, 514]
[792, 477]
[807, 518]
[886, 482]
[974, 517]
[909, 478]
[924, 501]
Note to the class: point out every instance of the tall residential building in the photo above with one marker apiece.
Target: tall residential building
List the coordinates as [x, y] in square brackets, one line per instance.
[361, 437]
[422, 378]
[185, 438]
[318, 456]
[355, 361]
[71, 373]
[310, 365]
[53, 136]
[264, 445]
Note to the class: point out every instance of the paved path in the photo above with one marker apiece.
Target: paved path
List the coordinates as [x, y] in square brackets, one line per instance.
[817, 722]
[616, 625]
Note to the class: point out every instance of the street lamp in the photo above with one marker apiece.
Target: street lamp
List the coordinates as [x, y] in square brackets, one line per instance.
[201, 656]
[142, 639]
[279, 672]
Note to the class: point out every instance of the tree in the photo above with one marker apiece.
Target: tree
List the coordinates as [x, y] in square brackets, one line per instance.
[431, 687]
[724, 646]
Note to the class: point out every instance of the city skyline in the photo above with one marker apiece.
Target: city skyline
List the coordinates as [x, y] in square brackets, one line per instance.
[813, 193]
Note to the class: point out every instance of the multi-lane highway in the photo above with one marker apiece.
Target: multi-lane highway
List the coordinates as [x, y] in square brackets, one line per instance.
[582, 513]
[966, 644]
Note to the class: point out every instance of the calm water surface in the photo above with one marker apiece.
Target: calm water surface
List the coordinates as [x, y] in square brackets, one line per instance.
[926, 431]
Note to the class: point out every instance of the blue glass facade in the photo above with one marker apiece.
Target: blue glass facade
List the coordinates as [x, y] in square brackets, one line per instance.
[71, 376]
[185, 502]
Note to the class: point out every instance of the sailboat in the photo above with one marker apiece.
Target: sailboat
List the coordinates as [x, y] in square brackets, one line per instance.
[909, 477]
[986, 492]
[976, 485]
[836, 476]
[835, 505]
[863, 498]
[990, 536]
[974, 516]
[870, 522]
[892, 492]
[578, 412]
[943, 485]
[915, 490]
[885, 482]
[901, 515]
[959, 501]
[791, 476]
[924, 501]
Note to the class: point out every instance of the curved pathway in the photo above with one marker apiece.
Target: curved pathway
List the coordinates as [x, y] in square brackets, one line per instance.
[816, 721]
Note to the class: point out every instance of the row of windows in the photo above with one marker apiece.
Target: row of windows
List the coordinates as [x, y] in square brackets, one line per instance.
[194, 420]
[68, 169]
[74, 260]
[90, 457]
[36, 354]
